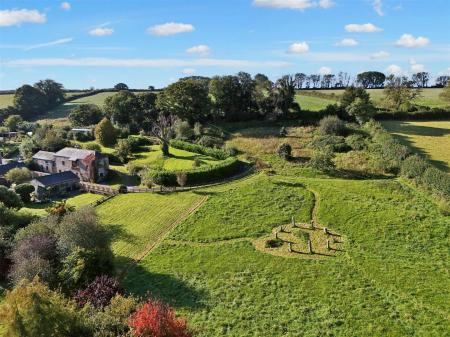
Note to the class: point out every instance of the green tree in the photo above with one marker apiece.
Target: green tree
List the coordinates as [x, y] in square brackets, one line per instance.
[123, 150]
[24, 190]
[28, 147]
[18, 175]
[121, 86]
[361, 110]
[352, 93]
[399, 93]
[85, 115]
[10, 198]
[53, 92]
[105, 133]
[29, 101]
[32, 309]
[12, 122]
[162, 129]
[187, 99]
[123, 108]
[371, 79]
[445, 94]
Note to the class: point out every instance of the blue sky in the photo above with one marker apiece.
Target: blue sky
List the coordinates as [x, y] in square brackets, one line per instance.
[84, 43]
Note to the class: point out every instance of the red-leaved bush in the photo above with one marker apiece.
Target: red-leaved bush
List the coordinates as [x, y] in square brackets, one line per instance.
[99, 292]
[157, 319]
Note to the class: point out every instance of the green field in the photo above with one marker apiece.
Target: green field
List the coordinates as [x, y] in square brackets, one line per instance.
[6, 100]
[431, 139]
[429, 97]
[389, 279]
[78, 200]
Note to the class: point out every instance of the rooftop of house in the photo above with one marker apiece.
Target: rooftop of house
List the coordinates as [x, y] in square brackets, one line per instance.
[74, 154]
[44, 155]
[9, 166]
[57, 178]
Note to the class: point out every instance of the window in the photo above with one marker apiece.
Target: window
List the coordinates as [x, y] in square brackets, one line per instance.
[63, 163]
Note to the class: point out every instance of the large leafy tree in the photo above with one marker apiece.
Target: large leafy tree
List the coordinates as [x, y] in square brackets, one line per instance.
[53, 91]
[445, 94]
[121, 86]
[371, 79]
[399, 93]
[187, 99]
[105, 133]
[122, 108]
[421, 79]
[352, 93]
[285, 95]
[29, 101]
[85, 114]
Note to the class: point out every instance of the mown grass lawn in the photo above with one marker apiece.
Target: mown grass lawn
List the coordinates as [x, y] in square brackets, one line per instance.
[312, 103]
[79, 200]
[392, 279]
[429, 138]
[138, 220]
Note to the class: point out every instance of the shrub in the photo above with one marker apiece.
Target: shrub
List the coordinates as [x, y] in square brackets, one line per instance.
[413, 167]
[322, 160]
[24, 190]
[283, 132]
[232, 151]
[105, 133]
[32, 309]
[196, 163]
[85, 115]
[361, 110]
[332, 125]
[197, 148]
[285, 151]
[436, 181]
[92, 146]
[210, 141]
[59, 208]
[157, 319]
[10, 198]
[329, 143]
[356, 142]
[99, 292]
[273, 243]
[18, 175]
[183, 130]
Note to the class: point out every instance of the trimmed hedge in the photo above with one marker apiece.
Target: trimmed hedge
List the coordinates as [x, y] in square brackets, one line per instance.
[201, 175]
[196, 148]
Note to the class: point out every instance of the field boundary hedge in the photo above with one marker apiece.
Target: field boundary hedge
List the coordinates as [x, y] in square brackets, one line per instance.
[196, 148]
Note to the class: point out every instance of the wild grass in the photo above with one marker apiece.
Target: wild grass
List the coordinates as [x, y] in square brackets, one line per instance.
[430, 139]
[6, 100]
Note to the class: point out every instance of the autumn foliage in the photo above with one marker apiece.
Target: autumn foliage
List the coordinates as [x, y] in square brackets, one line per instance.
[157, 319]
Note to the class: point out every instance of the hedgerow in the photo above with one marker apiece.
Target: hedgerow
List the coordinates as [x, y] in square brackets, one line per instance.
[207, 151]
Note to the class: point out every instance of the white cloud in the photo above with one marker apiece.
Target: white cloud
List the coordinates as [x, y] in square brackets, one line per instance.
[394, 70]
[201, 49]
[324, 70]
[65, 6]
[409, 41]
[326, 4]
[294, 4]
[415, 67]
[378, 7]
[108, 62]
[170, 28]
[101, 31]
[188, 71]
[380, 55]
[363, 28]
[11, 17]
[49, 44]
[298, 48]
[347, 43]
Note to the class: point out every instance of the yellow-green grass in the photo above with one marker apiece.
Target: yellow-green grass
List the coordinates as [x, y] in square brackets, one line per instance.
[312, 103]
[78, 200]
[6, 100]
[136, 221]
[429, 138]
[178, 159]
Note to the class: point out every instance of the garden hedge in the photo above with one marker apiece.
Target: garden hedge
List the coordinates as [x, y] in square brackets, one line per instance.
[196, 148]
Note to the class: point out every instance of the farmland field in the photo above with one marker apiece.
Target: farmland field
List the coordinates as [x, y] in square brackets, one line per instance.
[6, 100]
[429, 97]
[431, 139]
[392, 261]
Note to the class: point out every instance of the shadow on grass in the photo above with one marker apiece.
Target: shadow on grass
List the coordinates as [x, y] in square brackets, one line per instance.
[355, 175]
[115, 232]
[141, 282]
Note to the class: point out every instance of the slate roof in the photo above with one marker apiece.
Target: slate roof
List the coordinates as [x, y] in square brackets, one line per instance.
[44, 155]
[6, 167]
[57, 178]
[74, 154]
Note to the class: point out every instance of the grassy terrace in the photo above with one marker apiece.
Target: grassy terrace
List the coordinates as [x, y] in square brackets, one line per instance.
[431, 139]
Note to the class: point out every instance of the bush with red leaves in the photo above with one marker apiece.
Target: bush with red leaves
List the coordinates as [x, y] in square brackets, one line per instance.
[99, 292]
[157, 319]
